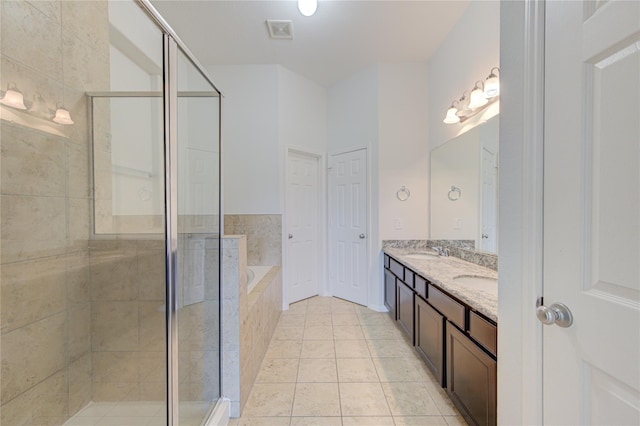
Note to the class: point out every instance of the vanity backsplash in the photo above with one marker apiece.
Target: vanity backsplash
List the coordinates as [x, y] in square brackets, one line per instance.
[462, 249]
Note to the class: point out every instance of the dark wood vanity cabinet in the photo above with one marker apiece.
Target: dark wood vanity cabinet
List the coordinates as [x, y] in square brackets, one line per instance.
[471, 378]
[429, 338]
[390, 292]
[405, 308]
[458, 344]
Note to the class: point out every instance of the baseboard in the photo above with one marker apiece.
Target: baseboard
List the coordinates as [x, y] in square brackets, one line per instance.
[220, 414]
[378, 308]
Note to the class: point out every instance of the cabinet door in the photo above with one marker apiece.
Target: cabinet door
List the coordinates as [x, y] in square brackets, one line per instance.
[471, 378]
[405, 308]
[390, 292]
[430, 338]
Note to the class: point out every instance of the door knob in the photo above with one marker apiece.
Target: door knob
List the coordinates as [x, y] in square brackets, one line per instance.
[290, 236]
[555, 314]
[485, 235]
[361, 236]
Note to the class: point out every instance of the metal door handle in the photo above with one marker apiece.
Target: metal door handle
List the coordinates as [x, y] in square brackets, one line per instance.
[555, 314]
[485, 235]
[290, 236]
[361, 236]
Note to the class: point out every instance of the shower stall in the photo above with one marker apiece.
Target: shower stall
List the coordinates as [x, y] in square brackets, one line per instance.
[110, 219]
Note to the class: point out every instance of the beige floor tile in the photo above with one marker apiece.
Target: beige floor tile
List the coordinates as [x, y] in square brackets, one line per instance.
[288, 333]
[387, 349]
[318, 349]
[278, 370]
[398, 370]
[420, 421]
[270, 400]
[316, 399]
[363, 399]
[233, 422]
[357, 370]
[296, 308]
[444, 404]
[409, 399]
[374, 318]
[316, 320]
[291, 320]
[345, 319]
[352, 349]
[367, 421]
[348, 332]
[284, 349]
[264, 421]
[381, 332]
[317, 370]
[342, 309]
[323, 332]
[316, 421]
[319, 309]
[455, 420]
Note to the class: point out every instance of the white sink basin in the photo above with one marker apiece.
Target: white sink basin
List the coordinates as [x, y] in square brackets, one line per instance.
[422, 256]
[478, 282]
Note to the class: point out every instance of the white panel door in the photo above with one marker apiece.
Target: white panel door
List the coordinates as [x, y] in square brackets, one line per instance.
[489, 211]
[348, 226]
[302, 226]
[591, 370]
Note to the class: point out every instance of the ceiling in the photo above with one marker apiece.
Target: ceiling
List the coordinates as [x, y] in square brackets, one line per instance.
[341, 38]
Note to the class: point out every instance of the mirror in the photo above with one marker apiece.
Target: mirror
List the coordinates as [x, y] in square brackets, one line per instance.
[464, 188]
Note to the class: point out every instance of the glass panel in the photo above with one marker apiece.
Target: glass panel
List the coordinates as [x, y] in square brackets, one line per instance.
[198, 243]
[127, 253]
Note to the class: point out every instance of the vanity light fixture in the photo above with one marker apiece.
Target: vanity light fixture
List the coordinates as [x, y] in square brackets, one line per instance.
[452, 116]
[476, 98]
[307, 7]
[492, 84]
[13, 98]
[62, 116]
[481, 96]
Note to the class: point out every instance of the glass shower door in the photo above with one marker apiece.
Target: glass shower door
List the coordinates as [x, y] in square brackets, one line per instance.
[198, 308]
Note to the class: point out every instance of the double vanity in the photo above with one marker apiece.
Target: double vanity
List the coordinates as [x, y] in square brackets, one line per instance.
[449, 310]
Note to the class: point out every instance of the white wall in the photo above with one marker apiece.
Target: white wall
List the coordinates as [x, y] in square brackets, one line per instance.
[250, 145]
[467, 55]
[403, 151]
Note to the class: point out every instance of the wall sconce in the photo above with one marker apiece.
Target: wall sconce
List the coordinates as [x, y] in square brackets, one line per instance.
[13, 98]
[481, 96]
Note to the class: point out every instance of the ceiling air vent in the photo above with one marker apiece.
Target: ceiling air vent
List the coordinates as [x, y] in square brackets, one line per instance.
[280, 29]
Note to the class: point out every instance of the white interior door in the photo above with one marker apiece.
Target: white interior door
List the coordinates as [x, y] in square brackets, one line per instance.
[302, 226]
[591, 370]
[348, 226]
[489, 237]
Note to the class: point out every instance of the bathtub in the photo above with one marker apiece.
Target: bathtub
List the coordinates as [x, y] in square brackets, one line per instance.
[255, 274]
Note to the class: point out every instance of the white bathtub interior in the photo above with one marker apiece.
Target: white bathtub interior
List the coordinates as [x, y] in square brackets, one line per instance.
[255, 274]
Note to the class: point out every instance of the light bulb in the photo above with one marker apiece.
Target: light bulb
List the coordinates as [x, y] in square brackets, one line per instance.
[13, 98]
[492, 84]
[307, 7]
[451, 117]
[476, 98]
[62, 116]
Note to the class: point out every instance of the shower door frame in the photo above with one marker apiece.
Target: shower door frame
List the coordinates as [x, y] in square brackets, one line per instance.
[171, 45]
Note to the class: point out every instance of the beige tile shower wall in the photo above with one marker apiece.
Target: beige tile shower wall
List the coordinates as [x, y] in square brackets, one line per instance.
[264, 236]
[128, 319]
[56, 49]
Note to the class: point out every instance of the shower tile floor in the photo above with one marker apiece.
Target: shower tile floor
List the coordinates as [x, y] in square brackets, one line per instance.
[136, 413]
[332, 362]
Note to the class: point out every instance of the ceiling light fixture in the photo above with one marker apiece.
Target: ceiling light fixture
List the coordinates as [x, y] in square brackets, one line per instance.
[482, 95]
[307, 7]
[62, 116]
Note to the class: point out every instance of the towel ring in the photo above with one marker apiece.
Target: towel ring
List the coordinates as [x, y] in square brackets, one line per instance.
[454, 194]
[403, 194]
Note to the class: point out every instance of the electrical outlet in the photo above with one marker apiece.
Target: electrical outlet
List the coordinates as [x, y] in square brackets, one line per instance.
[457, 223]
[397, 223]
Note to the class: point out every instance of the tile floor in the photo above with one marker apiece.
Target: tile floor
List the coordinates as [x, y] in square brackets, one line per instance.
[331, 362]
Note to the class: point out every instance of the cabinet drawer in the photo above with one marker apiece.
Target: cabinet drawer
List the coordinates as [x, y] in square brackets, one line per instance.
[483, 332]
[448, 307]
[420, 284]
[408, 277]
[396, 268]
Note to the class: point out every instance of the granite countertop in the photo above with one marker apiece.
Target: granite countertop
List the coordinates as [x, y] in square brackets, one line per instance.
[441, 271]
